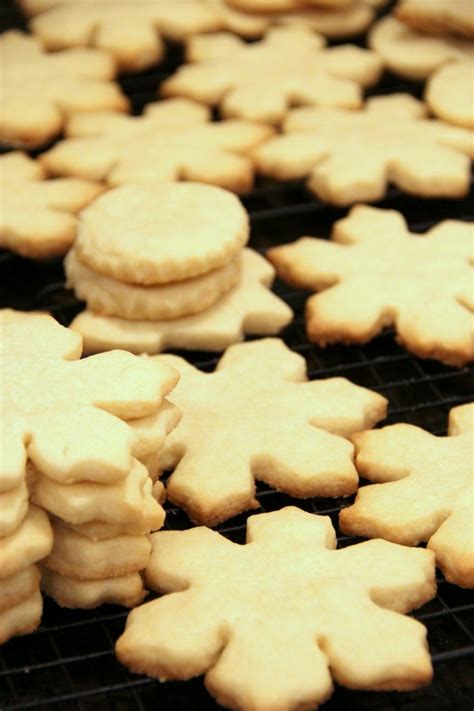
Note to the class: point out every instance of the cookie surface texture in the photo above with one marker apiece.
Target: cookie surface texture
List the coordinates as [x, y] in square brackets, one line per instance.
[438, 16]
[450, 91]
[48, 227]
[414, 54]
[152, 234]
[352, 156]
[375, 273]
[30, 542]
[51, 396]
[249, 308]
[423, 491]
[292, 436]
[39, 90]
[289, 66]
[301, 594]
[173, 140]
[126, 590]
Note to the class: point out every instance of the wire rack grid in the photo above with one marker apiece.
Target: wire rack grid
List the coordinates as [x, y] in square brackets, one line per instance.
[69, 662]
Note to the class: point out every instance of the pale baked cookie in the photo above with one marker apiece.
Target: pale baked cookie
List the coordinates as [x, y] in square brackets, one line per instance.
[21, 618]
[151, 431]
[293, 438]
[130, 30]
[282, 5]
[40, 90]
[424, 491]
[249, 308]
[153, 234]
[13, 508]
[352, 156]
[108, 296]
[66, 591]
[413, 54]
[375, 273]
[63, 413]
[172, 140]
[438, 16]
[288, 67]
[450, 93]
[311, 605]
[48, 227]
[30, 542]
[83, 558]
[19, 586]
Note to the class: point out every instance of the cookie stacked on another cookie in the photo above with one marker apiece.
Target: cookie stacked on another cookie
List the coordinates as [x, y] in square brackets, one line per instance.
[169, 257]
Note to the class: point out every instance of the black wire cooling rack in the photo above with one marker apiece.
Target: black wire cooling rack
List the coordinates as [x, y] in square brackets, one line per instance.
[69, 662]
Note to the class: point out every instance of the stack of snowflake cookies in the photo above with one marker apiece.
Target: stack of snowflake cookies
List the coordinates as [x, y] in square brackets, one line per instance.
[74, 495]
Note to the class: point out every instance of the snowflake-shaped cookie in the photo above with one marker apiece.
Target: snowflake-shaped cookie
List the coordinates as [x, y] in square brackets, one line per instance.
[63, 413]
[271, 623]
[424, 491]
[288, 67]
[39, 89]
[292, 436]
[351, 156]
[413, 54]
[172, 140]
[375, 273]
[48, 227]
[248, 308]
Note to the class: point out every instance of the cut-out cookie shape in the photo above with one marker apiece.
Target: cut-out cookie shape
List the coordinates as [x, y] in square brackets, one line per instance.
[39, 90]
[48, 227]
[413, 54]
[351, 156]
[311, 605]
[292, 437]
[288, 67]
[63, 413]
[424, 491]
[126, 590]
[450, 93]
[21, 618]
[130, 30]
[172, 140]
[282, 5]
[438, 16]
[249, 308]
[375, 273]
[32, 541]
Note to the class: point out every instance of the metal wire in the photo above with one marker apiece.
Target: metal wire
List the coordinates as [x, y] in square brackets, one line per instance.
[69, 662]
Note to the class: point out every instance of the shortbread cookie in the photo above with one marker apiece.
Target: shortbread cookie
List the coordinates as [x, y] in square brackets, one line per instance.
[351, 156]
[172, 140]
[126, 590]
[83, 558]
[19, 586]
[311, 605]
[438, 16]
[13, 508]
[48, 227]
[424, 491]
[375, 273]
[150, 432]
[153, 234]
[63, 413]
[40, 90]
[86, 501]
[29, 543]
[22, 618]
[130, 30]
[413, 54]
[249, 308]
[288, 67]
[450, 93]
[282, 5]
[165, 301]
[292, 439]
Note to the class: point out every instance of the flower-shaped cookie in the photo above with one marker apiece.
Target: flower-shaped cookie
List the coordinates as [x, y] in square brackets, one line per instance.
[63, 413]
[292, 437]
[172, 140]
[375, 273]
[288, 67]
[48, 227]
[351, 156]
[424, 491]
[272, 622]
[39, 90]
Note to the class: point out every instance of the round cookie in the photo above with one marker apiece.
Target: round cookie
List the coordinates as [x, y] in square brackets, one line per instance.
[165, 301]
[449, 93]
[157, 233]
